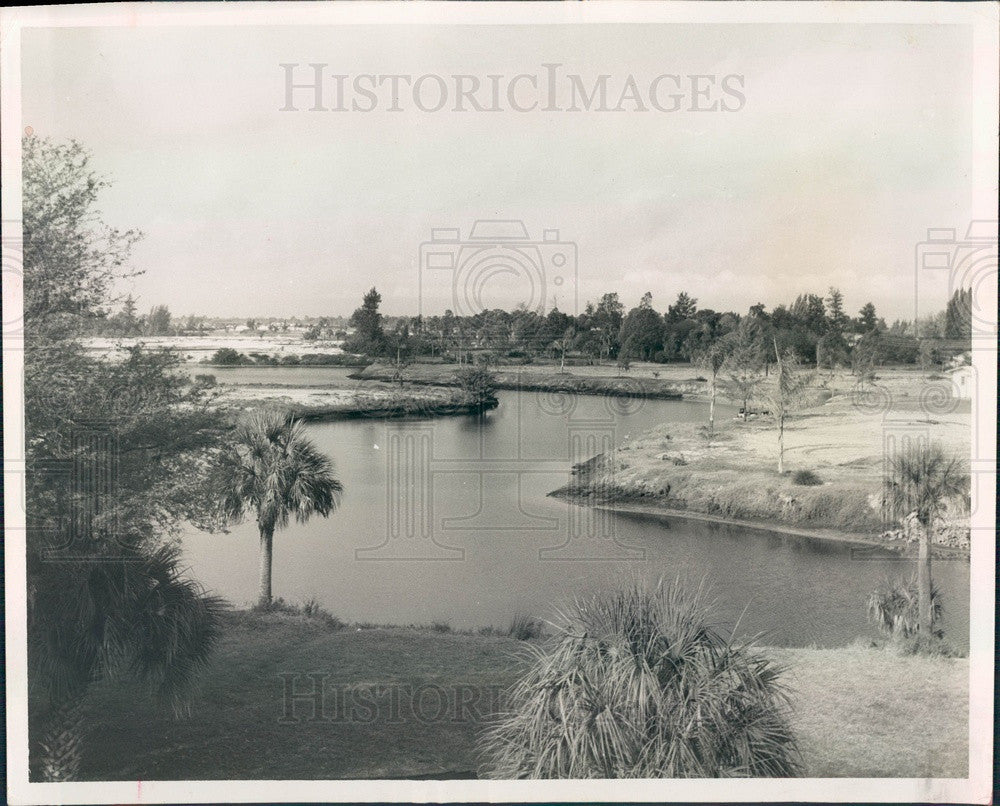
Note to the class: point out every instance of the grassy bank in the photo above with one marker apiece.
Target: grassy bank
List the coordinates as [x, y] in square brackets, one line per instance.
[834, 461]
[858, 712]
[366, 399]
[578, 380]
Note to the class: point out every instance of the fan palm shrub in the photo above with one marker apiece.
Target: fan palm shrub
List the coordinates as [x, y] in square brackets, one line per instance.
[127, 615]
[636, 684]
[894, 608]
[273, 471]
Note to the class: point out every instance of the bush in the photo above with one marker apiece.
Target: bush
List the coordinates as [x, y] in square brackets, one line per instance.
[917, 644]
[894, 609]
[478, 385]
[441, 626]
[310, 610]
[806, 478]
[227, 356]
[524, 628]
[638, 685]
[204, 381]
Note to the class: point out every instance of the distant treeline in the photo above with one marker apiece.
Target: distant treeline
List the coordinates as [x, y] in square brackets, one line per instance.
[228, 357]
[128, 322]
[815, 329]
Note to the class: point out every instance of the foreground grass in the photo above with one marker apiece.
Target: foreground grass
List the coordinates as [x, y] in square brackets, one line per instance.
[858, 712]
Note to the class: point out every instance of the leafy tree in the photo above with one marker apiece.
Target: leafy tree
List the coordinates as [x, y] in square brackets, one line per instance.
[158, 322]
[367, 322]
[478, 385]
[625, 357]
[125, 322]
[958, 315]
[867, 318]
[273, 471]
[837, 320]
[105, 598]
[922, 481]
[684, 308]
[831, 350]
[556, 325]
[609, 314]
[74, 255]
[809, 310]
[643, 329]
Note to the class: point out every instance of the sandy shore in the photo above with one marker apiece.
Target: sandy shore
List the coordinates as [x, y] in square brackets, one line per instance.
[843, 437]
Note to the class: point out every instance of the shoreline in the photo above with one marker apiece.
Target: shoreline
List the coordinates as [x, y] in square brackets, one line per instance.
[542, 381]
[395, 411]
[776, 527]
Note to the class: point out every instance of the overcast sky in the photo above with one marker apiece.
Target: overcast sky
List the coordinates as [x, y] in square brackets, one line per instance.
[852, 141]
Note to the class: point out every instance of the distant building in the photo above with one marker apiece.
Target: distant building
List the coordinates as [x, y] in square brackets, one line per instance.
[963, 380]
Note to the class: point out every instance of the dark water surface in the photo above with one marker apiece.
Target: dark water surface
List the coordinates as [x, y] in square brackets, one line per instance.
[448, 520]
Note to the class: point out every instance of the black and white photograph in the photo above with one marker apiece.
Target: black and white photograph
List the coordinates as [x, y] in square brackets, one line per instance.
[470, 402]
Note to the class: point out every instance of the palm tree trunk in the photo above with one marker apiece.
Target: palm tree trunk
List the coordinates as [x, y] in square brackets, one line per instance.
[266, 550]
[924, 579]
[781, 443]
[61, 744]
[711, 411]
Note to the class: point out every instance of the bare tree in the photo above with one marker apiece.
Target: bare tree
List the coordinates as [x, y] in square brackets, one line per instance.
[789, 384]
[713, 359]
[744, 363]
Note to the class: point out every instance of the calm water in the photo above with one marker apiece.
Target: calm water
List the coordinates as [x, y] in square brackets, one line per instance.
[448, 520]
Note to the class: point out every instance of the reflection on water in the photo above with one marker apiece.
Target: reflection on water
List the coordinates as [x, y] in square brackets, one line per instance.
[448, 520]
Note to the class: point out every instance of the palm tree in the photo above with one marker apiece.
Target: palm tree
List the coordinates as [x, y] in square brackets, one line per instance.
[130, 614]
[712, 358]
[274, 471]
[923, 480]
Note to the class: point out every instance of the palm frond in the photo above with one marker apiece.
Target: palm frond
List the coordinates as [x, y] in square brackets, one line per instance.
[637, 684]
[275, 472]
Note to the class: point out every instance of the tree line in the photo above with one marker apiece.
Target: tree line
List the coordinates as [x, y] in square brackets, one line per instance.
[815, 330]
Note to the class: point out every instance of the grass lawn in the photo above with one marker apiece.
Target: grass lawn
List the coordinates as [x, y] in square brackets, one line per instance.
[405, 703]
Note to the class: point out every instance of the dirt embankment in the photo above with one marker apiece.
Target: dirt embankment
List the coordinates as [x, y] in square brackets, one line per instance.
[836, 453]
[547, 379]
[371, 400]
